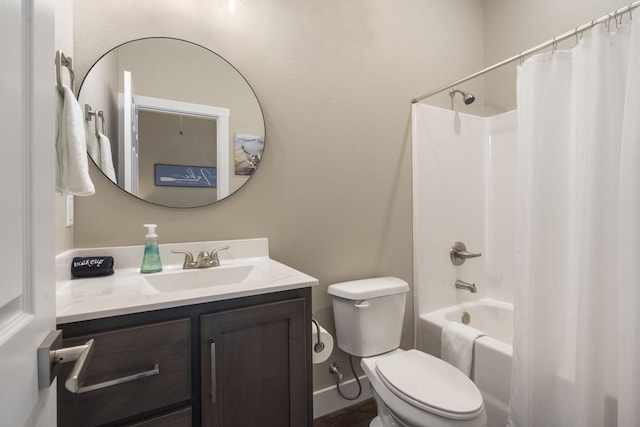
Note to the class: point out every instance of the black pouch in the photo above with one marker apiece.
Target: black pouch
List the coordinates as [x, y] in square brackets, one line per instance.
[92, 266]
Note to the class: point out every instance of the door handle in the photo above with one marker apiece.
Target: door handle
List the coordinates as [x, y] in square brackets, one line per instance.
[51, 356]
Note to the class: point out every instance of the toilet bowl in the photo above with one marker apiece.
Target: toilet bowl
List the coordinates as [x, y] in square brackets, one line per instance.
[412, 388]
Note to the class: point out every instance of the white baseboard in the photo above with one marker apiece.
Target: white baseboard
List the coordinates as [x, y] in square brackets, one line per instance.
[328, 400]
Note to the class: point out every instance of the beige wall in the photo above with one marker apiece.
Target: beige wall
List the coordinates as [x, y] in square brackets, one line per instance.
[335, 79]
[513, 26]
[63, 41]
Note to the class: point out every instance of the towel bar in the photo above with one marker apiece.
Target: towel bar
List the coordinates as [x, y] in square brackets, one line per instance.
[62, 60]
[89, 113]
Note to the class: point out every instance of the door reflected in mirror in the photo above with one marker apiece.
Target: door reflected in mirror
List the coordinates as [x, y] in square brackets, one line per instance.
[179, 125]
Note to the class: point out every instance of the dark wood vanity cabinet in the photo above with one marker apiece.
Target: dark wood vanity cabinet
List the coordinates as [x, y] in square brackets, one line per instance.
[252, 362]
[261, 358]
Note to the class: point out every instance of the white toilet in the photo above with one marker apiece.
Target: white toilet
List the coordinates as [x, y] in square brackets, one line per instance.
[411, 388]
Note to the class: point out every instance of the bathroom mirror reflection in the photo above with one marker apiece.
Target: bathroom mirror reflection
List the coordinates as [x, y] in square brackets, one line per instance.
[171, 122]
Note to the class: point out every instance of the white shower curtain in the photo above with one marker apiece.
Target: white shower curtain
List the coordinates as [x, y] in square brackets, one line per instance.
[577, 296]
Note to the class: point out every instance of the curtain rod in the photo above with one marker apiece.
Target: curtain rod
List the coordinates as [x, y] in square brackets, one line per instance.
[553, 42]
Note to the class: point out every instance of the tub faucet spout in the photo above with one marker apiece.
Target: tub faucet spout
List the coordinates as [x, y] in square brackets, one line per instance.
[471, 287]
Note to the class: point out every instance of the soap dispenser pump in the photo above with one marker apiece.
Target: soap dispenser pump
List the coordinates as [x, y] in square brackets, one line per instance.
[151, 260]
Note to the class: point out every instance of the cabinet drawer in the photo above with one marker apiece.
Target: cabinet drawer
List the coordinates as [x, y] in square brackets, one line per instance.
[123, 353]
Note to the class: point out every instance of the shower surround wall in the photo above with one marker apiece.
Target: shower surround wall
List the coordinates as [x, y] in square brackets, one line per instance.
[464, 170]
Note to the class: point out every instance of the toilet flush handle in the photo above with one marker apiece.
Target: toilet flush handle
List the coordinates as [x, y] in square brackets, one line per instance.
[362, 304]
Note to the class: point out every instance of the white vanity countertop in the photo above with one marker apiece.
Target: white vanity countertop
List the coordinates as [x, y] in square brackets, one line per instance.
[128, 291]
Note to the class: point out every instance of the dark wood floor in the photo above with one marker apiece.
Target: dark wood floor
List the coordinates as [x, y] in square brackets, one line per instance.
[358, 415]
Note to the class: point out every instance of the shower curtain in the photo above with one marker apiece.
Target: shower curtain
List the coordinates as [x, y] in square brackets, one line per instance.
[577, 294]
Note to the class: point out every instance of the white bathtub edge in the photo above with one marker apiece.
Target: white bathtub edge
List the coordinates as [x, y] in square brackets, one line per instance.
[492, 357]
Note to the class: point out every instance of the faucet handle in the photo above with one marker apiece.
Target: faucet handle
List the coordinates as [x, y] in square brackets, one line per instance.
[459, 254]
[214, 261]
[188, 259]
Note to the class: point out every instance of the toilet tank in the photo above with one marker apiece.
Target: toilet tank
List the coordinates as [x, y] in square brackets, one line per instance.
[369, 314]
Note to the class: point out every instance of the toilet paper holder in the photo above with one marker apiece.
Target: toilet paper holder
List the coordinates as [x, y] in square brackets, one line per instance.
[319, 345]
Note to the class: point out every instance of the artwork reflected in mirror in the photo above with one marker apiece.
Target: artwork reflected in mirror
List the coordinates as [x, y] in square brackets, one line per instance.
[248, 152]
[182, 126]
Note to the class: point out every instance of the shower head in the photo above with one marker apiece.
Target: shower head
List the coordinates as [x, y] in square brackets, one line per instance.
[467, 97]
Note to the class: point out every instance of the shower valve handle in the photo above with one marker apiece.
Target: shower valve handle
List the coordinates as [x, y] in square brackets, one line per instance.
[459, 254]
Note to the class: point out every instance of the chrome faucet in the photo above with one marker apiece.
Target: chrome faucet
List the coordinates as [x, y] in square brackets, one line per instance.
[205, 259]
[471, 287]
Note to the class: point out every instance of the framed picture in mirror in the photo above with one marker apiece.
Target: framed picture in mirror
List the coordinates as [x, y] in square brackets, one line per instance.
[185, 176]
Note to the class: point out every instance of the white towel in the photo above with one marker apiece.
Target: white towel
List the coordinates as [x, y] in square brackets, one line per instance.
[93, 146]
[106, 161]
[456, 345]
[72, 174]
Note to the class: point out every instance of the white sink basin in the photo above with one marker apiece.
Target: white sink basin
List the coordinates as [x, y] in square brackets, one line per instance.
[245, 270]
[198, 278]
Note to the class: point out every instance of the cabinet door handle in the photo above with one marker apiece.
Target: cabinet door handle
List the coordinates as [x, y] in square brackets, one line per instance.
[149, 373]
[213, 372]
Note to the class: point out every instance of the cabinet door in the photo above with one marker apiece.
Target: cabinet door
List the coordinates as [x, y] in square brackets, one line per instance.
[254, 366]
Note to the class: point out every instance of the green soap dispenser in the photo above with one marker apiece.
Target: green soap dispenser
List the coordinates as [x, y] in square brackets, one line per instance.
[151, 260]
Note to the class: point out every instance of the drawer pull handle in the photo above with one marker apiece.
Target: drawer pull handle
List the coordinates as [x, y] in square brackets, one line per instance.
[213, 372]
[154, 371]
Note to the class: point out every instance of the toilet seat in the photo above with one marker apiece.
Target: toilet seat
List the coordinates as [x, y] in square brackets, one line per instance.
[430, 384]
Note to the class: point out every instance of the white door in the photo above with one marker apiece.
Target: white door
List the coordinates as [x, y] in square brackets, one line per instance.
[27, 251]
[130, 137]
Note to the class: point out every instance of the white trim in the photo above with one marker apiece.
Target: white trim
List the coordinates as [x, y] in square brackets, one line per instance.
[184, 108]
[220, 114]
[328, 400]
[127, 169]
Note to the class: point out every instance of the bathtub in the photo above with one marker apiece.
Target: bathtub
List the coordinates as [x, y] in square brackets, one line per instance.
[492, 358]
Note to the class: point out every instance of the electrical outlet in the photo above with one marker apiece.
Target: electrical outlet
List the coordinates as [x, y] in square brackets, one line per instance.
[68, 211]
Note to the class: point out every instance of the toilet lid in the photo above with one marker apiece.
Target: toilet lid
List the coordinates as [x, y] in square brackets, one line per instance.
[430, 384]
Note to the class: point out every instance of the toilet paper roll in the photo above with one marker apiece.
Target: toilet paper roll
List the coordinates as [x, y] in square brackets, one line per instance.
[326, 338]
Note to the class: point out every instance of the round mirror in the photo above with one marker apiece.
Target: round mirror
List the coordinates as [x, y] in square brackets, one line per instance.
[171, 122]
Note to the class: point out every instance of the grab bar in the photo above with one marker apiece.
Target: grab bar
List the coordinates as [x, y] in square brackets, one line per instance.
[64, 61]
